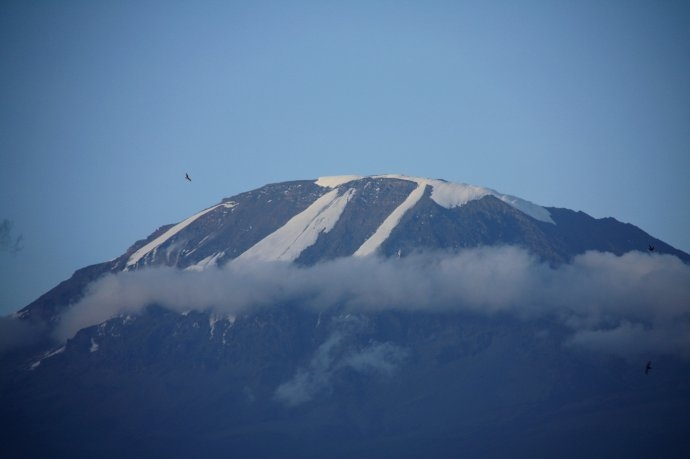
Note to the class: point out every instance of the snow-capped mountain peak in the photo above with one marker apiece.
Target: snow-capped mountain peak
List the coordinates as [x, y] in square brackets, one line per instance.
[309, 221]
[449, 195]
[261, 349]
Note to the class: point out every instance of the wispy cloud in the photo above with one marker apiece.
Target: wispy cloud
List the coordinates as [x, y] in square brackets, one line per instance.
[337, 353]
[381, 358]
[308, 382]
[607, 300]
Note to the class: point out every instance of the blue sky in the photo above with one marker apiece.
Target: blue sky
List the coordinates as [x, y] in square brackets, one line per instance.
[105, 105]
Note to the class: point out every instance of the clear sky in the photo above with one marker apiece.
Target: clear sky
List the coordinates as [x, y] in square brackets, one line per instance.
[105, 105]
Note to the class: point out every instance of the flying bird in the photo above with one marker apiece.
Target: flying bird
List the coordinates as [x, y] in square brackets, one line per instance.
[648, 367]
[651, 248]
[187, 177]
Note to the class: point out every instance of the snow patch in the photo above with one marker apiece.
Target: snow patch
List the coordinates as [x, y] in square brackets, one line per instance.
[533, 210]
[127, 319]
[228, 204]
[47, 355]
[212, 321]
[448, 194]
[94, 346]
[231, 322]
[211, 260]
[382, 232]
[302, 230]
[337, 180]
[153, 245]
[451, 195]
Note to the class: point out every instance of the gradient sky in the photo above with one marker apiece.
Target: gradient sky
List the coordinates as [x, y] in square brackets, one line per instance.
[105, 105]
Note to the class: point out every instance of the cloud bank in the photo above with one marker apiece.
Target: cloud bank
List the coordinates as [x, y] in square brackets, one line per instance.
[637, 302]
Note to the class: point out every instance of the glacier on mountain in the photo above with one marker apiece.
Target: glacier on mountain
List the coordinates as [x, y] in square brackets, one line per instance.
[384, 230]
[448, 194]
[153, 245]
[302, 230]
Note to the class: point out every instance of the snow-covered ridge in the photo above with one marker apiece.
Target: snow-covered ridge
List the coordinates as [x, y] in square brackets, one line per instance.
[153, 245]
[384, 230]
[302, 230]
[450, 195]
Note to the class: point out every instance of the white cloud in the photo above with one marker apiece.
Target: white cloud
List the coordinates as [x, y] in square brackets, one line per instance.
[605, 299]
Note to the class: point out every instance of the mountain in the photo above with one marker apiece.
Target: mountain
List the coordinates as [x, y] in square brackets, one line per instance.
[381, 316]
[307, 222]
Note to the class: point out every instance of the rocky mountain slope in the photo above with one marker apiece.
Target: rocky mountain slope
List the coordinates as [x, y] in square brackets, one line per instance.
[376, 317]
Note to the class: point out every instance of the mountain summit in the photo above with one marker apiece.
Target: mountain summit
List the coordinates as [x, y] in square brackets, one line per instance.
[311, 221]
[349, 316]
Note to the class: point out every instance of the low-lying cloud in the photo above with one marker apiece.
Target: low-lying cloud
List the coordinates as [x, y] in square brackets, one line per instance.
[634, 303]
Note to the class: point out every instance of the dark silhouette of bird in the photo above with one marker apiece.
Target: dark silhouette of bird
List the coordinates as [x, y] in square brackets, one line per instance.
[187, 177]
[651, 248]
[648, 367]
